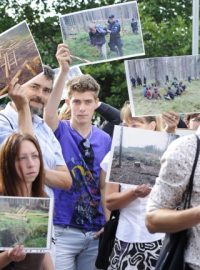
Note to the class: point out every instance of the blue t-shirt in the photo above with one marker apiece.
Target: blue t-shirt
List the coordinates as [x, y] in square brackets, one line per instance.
[80, 206]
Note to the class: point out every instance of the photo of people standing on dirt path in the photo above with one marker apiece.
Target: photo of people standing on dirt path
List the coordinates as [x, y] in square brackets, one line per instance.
[103, 34]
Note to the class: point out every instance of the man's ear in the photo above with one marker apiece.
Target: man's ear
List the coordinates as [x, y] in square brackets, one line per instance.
[96, 103]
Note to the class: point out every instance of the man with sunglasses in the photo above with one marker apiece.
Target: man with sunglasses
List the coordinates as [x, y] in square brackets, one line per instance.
[79, 214]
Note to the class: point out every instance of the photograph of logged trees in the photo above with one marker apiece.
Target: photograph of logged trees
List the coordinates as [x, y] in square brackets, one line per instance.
[161, 84]
[136, 155]
[24, 221]
[19, 56]
[103, 34]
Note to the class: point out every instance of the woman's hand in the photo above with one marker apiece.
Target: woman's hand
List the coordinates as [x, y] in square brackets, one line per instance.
[16, 254]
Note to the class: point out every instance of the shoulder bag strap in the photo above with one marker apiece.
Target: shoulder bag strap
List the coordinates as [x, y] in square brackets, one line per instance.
[187, 200]
[7, 120]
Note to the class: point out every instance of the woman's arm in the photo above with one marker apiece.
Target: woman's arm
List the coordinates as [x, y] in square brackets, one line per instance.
[168, 220]
[15, 254]
[50, 112]
[117, 200]
[47, 262]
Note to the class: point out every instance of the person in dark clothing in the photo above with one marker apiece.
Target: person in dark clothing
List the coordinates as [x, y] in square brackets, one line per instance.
[133, 81]
[139, 81]
[145, 80]
[111, 116]
[97, 38]
[115, 42]
[134, 26]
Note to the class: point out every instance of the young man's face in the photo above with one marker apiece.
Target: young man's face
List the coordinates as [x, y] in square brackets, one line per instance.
[38, 90]
[82, 107]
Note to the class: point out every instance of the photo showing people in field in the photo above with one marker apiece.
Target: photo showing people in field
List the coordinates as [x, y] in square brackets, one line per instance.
[19, 56]
[26, 221]
[135, 155]
[103, 34]
[161, 84]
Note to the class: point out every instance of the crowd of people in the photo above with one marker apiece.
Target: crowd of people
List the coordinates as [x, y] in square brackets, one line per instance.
[172, 90]
[66, 157]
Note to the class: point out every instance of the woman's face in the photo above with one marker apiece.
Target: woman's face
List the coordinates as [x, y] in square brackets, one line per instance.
[194, 123]
[139, 123]
[27, 162]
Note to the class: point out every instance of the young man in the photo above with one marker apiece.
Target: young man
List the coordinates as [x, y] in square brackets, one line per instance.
[79, 214]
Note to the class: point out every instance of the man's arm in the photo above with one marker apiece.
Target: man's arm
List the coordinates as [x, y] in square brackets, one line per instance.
[50, 112]
[59, 178]
[16, 93]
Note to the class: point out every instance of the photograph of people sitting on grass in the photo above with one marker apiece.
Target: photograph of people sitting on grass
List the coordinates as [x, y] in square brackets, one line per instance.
[19, 56]
[25, 221]
[161, 84]
[103, 34]
[135, 155]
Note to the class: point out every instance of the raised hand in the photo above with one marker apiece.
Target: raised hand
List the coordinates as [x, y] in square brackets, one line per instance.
[170, 121]
[63, 57]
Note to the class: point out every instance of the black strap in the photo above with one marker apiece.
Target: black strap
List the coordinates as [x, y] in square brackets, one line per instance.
[7, 120]
[187, 200]
[115, 213]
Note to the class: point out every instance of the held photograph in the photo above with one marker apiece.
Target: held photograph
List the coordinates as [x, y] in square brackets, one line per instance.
[26, 221]
[135, 155]
[161, 84]
[103, 34]
[19, 56]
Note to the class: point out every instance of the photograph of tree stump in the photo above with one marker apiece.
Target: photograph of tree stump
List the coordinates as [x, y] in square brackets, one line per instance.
[135, 155]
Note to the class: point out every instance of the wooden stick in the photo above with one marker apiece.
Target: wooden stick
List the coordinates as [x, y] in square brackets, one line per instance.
[82, 59]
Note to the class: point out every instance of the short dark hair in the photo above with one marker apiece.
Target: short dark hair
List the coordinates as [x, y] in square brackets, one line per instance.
[48, 72]
[111, 16]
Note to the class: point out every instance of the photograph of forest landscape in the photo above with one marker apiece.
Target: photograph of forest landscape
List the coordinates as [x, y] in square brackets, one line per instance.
[75, 31]
[163, 84]
[19, 56]
[137, 153]
[24, 221]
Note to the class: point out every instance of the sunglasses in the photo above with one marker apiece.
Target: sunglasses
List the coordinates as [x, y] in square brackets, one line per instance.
[86, 150]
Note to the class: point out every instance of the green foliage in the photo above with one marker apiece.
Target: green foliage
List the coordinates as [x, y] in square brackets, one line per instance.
[166, 26]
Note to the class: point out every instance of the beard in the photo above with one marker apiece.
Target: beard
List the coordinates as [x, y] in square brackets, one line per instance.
[36, 110]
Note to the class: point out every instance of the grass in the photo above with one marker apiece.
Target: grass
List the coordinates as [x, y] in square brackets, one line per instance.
[132, 45]
[33, 230]
[187, 102]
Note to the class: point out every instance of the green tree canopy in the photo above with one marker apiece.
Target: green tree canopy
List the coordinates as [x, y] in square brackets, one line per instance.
[166, 27]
